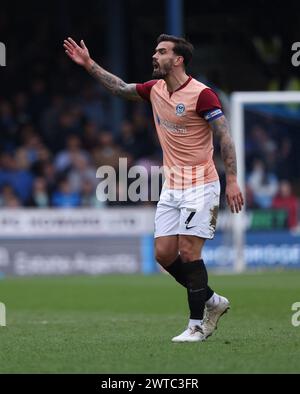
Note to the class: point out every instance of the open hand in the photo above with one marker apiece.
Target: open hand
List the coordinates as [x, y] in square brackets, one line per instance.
[234, 197]
[79, 54]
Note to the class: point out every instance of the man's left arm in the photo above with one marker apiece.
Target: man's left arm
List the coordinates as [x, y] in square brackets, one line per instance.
[234, 196]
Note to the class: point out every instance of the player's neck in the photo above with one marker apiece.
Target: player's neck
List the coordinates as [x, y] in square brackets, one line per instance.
[175, 80]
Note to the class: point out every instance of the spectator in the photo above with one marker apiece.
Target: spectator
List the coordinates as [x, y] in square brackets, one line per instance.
[14, 172]
[43, 155]
[49, 174]
[259, 144]
[8, 198]
[49, 119]
[63, 160]
[143, 133]
[31, 142]
[88, 195]
[64, 197]
[285, 199]
[263, 184]
[40, 196]
[92, 105]
[69, 124]
[284, 166]
[107, 152]
[128, 141]
[80, 171]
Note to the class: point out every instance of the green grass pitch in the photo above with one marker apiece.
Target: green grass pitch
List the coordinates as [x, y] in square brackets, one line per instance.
[124, 324]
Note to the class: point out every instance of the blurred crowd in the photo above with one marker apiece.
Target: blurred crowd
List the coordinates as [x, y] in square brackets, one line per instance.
[52, 146]
[55, 129]
[273, 164]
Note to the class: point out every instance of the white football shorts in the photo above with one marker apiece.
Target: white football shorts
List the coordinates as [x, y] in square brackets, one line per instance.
[191, 211]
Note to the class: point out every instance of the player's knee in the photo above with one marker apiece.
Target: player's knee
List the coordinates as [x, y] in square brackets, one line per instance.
[190, 250]
[164, 257]
[185, 250]
[188, 255]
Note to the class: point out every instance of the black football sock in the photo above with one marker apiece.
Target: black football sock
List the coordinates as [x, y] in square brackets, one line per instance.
[196, 279]
[175, 269]
[209, 293]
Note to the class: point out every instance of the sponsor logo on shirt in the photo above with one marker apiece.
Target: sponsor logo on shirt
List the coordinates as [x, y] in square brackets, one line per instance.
[172, 127]
[180, 109]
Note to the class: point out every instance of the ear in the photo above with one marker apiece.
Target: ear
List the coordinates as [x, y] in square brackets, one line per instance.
[179, 61]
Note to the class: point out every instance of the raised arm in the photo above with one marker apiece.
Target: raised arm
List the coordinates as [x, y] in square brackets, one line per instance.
[233, 193]
[81, 56]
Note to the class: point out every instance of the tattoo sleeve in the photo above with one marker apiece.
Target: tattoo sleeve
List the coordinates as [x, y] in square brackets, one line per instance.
[113, 83]
[220, 127]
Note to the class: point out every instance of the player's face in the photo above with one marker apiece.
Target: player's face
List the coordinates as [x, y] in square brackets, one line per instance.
[163, 59]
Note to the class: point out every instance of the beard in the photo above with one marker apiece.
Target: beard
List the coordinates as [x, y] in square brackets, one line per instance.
[161, 72]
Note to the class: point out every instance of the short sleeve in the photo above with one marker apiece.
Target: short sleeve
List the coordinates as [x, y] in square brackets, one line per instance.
[144, 89]
[208, 105]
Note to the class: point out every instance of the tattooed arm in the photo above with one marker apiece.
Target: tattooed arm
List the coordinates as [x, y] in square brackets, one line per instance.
[114, 84]
[233, 194]
[81, 56]
[221, 129]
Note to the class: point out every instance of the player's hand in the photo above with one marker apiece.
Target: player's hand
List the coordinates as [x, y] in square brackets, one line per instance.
[79, 54]
[234, 197]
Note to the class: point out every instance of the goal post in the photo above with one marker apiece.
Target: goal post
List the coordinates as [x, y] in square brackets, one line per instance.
[237, 122]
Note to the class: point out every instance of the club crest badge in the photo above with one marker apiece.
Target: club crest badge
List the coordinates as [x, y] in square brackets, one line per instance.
[180, 109]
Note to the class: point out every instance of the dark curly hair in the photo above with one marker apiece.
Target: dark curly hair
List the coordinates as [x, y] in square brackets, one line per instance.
[182, 47]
